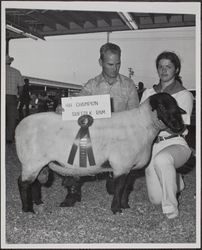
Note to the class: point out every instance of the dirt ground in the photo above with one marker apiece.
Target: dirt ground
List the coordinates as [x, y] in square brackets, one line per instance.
[91, 220]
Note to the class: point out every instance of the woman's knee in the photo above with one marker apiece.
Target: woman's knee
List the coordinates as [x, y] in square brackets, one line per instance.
[174, 156]
[163, 159]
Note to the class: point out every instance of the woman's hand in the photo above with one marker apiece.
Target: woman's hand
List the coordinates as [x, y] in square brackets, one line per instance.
[59, 109]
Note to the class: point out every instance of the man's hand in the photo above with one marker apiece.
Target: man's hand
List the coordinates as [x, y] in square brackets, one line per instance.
[59, 109]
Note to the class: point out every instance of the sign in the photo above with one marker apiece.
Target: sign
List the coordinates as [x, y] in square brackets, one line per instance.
[98, 106]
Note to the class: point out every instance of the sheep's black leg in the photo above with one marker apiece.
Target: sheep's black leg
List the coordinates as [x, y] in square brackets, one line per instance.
[50, 179]
[36, 187]
[25, 189]
[128, 187]
[36, 192]
[110, 184]
[119, 183]
[73, 186]
[132, 176]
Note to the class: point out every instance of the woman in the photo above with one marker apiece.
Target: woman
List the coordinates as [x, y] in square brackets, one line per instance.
[169, 151]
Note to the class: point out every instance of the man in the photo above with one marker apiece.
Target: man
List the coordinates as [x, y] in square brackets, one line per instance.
[14, 87]
[43, 100]
[24, 100]
[123, 95]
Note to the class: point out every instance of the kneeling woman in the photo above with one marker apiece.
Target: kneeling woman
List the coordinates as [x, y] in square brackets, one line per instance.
[169, 151]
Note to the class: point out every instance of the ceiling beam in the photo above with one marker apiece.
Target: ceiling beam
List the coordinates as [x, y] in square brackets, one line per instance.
[59, 18]
[106, 18]
[17, 28]
[87, 30]
[88, 17]
[75, 18]
[43, 19]
[165, 25]
[16, 20]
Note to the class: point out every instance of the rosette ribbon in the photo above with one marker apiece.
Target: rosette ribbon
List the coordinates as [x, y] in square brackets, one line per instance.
[83, 140]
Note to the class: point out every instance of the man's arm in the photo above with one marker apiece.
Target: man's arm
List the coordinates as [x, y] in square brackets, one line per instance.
[20, 89]
[86, 89]
[20, 82]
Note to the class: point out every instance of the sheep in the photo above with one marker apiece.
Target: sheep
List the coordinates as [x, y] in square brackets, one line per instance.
[125, 140]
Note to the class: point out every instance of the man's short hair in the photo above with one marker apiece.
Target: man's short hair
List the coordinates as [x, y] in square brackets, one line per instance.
[26, 80]
[113, 48]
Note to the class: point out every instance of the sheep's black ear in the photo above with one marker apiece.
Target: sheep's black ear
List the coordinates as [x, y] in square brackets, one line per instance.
[182, 111]
[153, 102]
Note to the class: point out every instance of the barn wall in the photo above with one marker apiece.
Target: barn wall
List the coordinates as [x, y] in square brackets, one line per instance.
[74, 58]
[141, 48]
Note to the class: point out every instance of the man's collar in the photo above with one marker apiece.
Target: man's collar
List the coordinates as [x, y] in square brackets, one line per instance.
[115, 79]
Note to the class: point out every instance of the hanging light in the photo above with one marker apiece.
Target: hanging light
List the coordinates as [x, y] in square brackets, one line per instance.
[126, 17]
[20, 32]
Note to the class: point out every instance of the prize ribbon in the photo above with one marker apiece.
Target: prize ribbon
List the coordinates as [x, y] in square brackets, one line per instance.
[84, 141]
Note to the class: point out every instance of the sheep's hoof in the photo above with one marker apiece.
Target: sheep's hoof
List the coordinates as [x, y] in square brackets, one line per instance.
[124, 203]
[70, 200]
[125, 206]
[38, 202]
[117, 210]
[110, 186]
[26, 210]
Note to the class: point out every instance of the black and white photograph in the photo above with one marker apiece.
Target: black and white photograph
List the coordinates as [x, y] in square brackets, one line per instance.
[100, 125]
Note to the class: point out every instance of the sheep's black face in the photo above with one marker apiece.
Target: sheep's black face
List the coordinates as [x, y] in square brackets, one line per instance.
[168, 111]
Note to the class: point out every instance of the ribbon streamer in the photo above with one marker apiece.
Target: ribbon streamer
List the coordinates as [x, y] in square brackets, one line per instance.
[84, 141]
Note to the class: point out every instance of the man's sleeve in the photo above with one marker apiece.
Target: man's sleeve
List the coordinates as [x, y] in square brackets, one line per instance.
[20, 79]
[185, 101]
[87, 89]
[20, 83]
